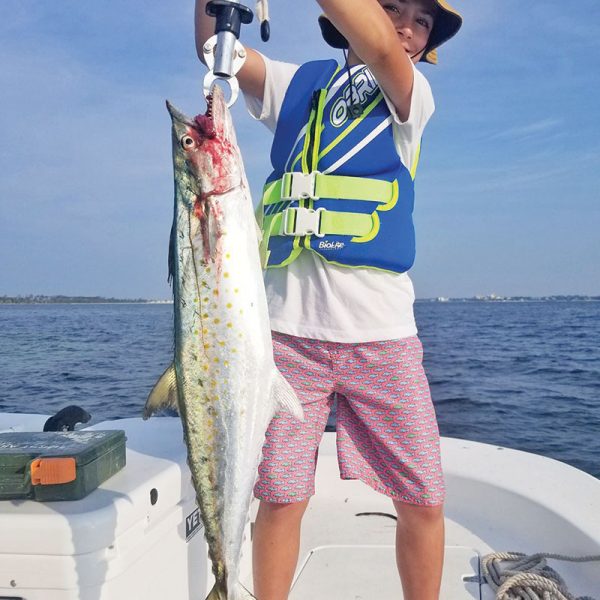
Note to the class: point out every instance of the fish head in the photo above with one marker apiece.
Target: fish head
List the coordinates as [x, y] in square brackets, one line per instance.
[207, 164]
[205, 151]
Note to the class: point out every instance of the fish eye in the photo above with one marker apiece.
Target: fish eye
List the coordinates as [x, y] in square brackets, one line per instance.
[187, 142]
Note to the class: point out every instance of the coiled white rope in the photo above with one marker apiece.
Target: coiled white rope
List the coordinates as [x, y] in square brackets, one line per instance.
[528, 577]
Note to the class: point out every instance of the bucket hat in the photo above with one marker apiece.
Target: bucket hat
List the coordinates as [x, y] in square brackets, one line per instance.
[447, 23]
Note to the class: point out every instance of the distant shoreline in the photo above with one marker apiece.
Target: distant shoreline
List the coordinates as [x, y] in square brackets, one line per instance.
[41, 299]
[495, 298]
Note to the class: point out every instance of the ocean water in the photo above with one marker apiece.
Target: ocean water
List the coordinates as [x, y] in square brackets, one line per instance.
[524, 375]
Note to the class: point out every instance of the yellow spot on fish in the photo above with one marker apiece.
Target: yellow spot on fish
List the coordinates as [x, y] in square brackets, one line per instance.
[215, 292]
[217, 321]
[206, 346]
[196, 332]
[221, 344]
[229, 305]
[241, 311]
[236, 290]
[195, 299]
[205, 331]
[205, 315]
[226, 363]
[228, 255]
[230, 325]
[216, 360]
[226, 275]
[205, 367]
[233, 350]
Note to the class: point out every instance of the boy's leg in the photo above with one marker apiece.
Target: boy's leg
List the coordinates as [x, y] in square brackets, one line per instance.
[420, 550]
[287, 471]
[388, 437]
[275, 548]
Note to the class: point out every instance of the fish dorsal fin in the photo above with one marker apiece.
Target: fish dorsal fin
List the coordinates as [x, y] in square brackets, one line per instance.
[163, 394]
[284, 396]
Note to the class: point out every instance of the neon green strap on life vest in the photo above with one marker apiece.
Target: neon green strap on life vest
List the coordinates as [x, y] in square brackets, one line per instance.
[306, 221]
[295, 186]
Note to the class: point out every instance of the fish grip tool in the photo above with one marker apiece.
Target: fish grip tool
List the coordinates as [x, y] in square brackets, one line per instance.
[223, 52]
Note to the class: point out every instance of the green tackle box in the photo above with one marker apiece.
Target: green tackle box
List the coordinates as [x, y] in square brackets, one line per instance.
[47, 466]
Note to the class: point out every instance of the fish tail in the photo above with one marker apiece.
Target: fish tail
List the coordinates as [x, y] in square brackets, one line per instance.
[219, 593]
[244, 594]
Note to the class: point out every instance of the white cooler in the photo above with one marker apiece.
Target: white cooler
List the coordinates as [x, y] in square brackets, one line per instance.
[138, 536]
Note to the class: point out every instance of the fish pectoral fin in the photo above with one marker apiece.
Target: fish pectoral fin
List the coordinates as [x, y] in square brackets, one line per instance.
[284, 396]
[163, 394]
[259, 233]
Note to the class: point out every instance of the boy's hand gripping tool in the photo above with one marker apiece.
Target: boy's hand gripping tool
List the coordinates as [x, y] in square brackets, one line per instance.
[223, 52]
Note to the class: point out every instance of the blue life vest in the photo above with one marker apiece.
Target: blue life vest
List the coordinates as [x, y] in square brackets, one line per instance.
[338, 186]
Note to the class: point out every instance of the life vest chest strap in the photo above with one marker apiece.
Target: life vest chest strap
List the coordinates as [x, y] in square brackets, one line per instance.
[296, 185]
[321, 222]
[316, 185]
[301, 221]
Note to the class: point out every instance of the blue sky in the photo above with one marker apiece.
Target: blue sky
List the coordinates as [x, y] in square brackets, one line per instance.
[507, 190]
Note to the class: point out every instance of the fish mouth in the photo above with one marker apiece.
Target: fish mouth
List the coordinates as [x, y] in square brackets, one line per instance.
[177, 115]
[205, 124]
[202, 124]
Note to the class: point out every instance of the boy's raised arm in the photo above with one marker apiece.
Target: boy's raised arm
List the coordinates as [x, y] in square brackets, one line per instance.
[374, 39]
[251, 76]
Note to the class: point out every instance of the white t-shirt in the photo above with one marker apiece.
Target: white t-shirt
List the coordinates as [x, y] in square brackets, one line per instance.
[314, 299]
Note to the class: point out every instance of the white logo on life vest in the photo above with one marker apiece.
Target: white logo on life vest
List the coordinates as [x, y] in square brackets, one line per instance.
[331, 245]
[363, 87]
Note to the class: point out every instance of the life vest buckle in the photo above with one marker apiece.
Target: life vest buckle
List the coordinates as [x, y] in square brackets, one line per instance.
[301, 221]
[299, 186]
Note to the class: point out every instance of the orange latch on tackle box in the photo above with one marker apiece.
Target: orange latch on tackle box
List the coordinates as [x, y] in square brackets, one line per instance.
[52, 471]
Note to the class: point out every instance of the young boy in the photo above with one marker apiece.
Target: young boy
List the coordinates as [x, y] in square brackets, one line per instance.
[338, 240]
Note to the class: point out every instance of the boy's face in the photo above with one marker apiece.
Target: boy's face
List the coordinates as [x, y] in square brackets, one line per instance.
[413, 20]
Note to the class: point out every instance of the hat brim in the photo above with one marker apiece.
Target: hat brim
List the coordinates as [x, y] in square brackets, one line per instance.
[447, 23]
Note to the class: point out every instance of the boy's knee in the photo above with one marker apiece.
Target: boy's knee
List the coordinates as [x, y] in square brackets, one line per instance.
[275, 511]
[414, 512]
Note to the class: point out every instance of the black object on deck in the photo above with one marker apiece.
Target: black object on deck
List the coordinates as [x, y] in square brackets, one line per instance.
[66, 419]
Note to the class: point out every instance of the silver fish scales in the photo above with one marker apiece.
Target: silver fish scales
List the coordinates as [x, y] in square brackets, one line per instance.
[223, 379]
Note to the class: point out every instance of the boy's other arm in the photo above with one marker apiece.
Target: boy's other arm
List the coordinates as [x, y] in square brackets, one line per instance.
[373, 37]
[251, 76]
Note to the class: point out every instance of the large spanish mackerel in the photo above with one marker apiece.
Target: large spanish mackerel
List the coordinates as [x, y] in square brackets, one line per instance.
[223, 379]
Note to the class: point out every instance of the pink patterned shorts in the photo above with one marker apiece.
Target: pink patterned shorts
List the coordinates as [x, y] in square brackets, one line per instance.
[387, 433]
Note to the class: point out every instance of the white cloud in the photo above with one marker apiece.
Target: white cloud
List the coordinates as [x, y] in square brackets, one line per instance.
[528, 130]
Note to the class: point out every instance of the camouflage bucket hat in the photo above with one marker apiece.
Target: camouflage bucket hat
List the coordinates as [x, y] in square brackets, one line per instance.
[447, 23]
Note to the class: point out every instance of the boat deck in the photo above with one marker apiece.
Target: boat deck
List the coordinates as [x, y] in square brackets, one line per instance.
[498, 500]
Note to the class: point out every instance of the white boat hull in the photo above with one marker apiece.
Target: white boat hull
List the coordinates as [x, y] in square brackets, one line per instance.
[116, 545]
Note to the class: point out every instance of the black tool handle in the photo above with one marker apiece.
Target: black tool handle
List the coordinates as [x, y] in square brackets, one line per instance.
[230, 15]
